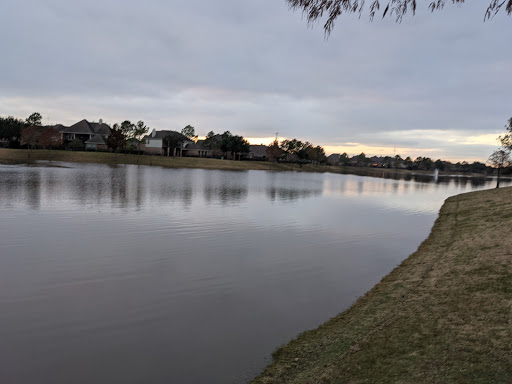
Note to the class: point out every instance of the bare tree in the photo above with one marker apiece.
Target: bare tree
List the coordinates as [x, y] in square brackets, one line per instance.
[332, 9]
[499, 159]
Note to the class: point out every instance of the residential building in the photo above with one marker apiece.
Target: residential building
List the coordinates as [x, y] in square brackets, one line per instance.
[93, 135]
[154, 143]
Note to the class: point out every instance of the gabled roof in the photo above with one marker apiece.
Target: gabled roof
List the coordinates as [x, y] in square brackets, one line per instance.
[162, 134]
[199, 145]
[258, 150]
[84, 127]
[100, 128]
[97, 139]
[60, 127]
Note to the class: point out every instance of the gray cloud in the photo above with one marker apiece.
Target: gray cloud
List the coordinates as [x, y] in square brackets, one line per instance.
[255, 68]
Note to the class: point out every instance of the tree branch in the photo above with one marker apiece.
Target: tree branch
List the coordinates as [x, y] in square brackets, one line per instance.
[316, 9]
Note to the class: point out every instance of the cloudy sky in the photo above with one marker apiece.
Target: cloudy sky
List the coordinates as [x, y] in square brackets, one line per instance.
[436, 85]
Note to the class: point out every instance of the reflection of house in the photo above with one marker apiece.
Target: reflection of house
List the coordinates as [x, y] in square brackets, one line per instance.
[93, 135]
[154, 142]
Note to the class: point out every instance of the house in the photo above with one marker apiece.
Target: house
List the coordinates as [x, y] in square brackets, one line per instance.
[333, 159]
[376, 162]
[201, 149]
[93, 135]
[197, 149]
[97, 142]
[154, 143]
[257, 152]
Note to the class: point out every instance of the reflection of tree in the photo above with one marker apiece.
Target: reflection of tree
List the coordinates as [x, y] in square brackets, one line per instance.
[421, 178]
[225, 194]
[291, 194]
[225, 187]
[33, 189]
[87, 186]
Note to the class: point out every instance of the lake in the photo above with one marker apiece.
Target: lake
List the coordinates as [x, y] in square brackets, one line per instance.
[133, 274]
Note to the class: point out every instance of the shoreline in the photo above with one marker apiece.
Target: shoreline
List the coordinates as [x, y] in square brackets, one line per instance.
[443, 315]
[26, 156]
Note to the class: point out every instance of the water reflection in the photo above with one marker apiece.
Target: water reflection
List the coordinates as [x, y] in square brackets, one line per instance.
[168, 270]
[76, 186]
[479, 181]
[291, 194]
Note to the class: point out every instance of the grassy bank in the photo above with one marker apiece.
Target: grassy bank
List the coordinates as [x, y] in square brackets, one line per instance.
[17, 156]
[443, 316]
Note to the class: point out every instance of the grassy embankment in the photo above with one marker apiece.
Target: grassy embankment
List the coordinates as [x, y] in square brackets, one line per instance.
[443, 316]
[18, 156]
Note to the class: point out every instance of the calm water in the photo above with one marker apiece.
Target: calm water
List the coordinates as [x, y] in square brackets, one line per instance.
[134, 274]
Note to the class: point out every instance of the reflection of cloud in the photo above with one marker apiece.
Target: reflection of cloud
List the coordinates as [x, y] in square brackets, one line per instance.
[90, 186]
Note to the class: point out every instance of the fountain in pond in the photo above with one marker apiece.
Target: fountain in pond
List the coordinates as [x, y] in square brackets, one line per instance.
[436, 175]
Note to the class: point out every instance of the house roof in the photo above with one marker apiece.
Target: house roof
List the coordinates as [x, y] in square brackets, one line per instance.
[162, 134]
[97, 139]
[60, 127]
[258, 150]
[100, 128]
[199, 145]
[84, 127]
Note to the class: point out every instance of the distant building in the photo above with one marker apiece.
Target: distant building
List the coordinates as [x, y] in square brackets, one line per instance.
[334, 159]
[93, 135]
[154, 143]
[257, 152]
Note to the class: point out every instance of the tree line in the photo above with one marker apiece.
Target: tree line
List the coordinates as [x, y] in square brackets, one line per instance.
[128, 136]
[500, 158]
[419, 163]
[296, 150]
[11, 128]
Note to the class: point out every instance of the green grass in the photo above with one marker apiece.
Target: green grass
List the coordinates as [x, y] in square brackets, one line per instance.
[26, 156]
[17, 156]
[443, 316]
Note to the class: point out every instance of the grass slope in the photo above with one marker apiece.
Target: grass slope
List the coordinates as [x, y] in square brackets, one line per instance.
[25, 156]
[443, 316]
[18, 156]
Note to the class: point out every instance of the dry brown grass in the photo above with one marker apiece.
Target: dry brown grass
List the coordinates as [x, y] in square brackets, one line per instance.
[443, 316]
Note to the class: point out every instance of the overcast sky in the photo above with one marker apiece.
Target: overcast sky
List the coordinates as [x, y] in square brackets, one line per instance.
[436, 85]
